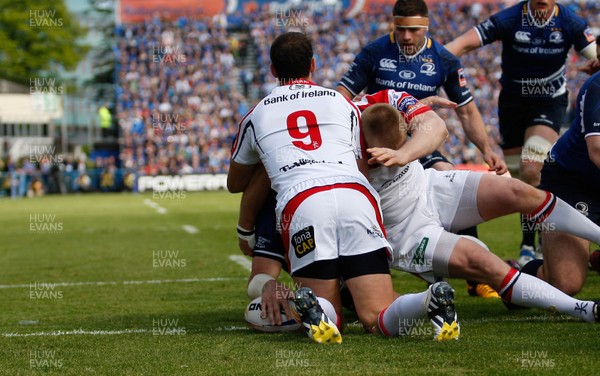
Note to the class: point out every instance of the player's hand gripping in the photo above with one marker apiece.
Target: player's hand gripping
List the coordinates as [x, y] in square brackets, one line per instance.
[387, 157]
[275, 297]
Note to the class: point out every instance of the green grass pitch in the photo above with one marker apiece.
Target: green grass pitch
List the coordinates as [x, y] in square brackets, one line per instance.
[125, 284]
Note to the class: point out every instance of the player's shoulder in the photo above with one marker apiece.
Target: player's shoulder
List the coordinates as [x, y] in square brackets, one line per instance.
[337, 98]
[441, 51]
[248, 116]
[380, 44]
[510, 14]
[591, 87]
[572, 18]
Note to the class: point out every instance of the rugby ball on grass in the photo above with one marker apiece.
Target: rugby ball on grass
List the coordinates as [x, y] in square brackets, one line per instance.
[256, 322]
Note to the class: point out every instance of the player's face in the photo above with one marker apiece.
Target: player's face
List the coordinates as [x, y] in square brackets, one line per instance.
[542, 6]
[410, 39]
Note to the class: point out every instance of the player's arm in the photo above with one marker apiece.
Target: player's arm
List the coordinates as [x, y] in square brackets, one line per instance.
[593, 64]
[358, 75]
[464, 43]
[591, 117]
[252, 201]
[345, 92]
[274, 295]
[239, 176]
[474, 127]
[428, 131]
[435, 102]
[593, 145]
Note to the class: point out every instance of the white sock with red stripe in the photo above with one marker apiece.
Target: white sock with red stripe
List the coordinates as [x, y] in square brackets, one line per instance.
[557, 215]
[404, 312]
[328, 310]
[528, 291]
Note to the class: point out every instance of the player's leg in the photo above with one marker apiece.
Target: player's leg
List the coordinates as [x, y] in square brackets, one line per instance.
[413, 250]
[470, 260]
[566, 256]
[538, 142]
[314, 303]
[267, 262]
[439, 163]
[372, 293]
[498, 196]
[543, 120]
[565, 262]
[309, 234]
[364, 266]
[379, 307]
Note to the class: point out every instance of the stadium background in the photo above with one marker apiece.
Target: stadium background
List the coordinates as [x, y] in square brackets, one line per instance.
[154, 284]
[185, 72]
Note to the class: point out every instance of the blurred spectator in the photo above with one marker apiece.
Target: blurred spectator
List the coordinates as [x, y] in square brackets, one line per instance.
[105, 120]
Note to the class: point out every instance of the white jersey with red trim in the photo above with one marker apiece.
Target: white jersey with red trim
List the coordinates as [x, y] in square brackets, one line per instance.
[400, 189]
[406, 104]
[299, 132]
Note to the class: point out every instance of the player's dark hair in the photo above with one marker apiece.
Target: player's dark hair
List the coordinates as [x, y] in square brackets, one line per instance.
[381, 126]
[291, 55]
[410, 8]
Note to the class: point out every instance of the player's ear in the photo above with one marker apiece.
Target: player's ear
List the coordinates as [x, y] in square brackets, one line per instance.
[313, 65]
[273, 71]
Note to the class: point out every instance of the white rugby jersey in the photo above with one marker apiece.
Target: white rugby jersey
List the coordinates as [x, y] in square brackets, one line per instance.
[399, 188]
[301, 131]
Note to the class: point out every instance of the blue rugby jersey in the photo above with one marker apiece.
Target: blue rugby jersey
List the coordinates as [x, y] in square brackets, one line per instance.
[381, 66]
[533, 54]
[570, 151]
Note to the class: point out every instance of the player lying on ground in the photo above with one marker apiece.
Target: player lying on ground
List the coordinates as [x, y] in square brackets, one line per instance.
[308, 139]
[420, 208]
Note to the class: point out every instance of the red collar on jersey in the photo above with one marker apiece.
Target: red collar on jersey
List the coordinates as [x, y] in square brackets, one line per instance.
[297, 81]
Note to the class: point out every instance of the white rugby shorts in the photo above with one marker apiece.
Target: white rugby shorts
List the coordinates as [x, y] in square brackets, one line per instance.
[423, 243]
[323, 219]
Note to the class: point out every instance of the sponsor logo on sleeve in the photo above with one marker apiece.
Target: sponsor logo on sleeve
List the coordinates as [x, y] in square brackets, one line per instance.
[462, 81]
[407, 104]
[589, 35]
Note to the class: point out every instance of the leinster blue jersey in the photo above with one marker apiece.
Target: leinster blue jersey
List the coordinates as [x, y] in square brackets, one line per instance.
[381, 66]
[534, 53]
[570, 151]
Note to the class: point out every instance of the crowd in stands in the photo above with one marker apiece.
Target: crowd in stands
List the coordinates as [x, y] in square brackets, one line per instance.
[36, 175]
[338, 40]
[183, 86]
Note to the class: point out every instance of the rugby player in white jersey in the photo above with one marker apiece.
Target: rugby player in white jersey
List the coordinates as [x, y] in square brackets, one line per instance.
[421, 207]
[308, 139]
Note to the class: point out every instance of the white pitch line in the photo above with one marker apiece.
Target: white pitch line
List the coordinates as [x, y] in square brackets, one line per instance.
[231, 328]
[113, 283]
[155, 206]
[55, 333]
[241, 260]
[549, 318]
[190, 229]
